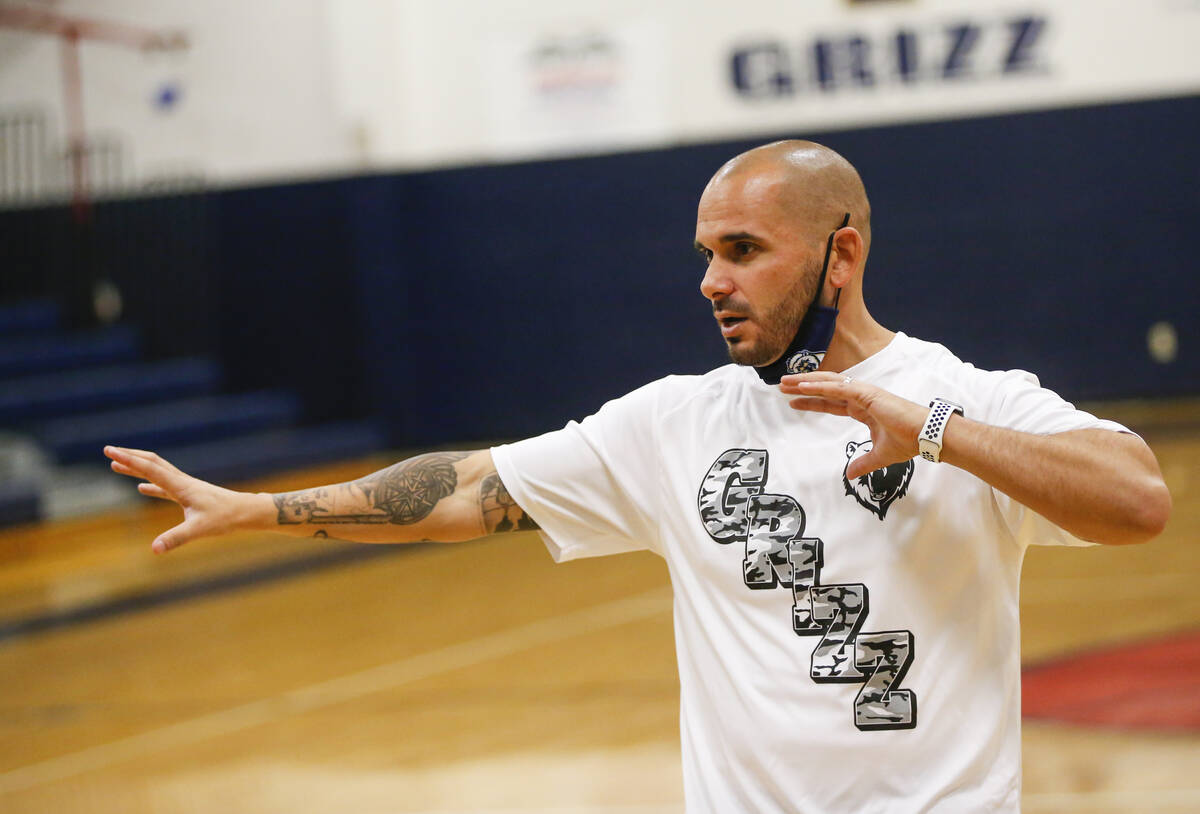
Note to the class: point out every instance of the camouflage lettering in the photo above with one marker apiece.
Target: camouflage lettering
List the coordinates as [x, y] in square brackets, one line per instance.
[805, 555]
[884, 659]
[735, 508]
[775, 520]
[735, 477]
[842, 609]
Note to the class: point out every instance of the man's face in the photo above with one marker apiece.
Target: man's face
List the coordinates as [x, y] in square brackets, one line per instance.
[762, 266]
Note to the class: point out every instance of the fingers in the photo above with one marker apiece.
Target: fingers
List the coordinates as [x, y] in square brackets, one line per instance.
[173, 538]
[150, 489]
[163, 481]
[151, 457]
[832, 393]
[128, 452]
[816, 405]
[122, 453]
[814, 376]
[828, 385]
[153, 490]
[138, 469]
[134, 456]
[865, 464]
[138, 463]
[820, 392]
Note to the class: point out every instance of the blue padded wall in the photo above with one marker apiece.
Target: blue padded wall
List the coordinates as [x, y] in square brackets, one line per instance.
[287, 286]
[521, 295]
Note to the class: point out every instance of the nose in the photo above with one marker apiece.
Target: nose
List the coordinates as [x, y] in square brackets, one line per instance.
[717, 284]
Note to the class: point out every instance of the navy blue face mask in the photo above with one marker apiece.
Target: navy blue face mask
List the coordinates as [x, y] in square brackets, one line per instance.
[807, 349]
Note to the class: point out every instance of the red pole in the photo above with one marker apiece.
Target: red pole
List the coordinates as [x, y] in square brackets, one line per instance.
[71, 30]
[72, 77]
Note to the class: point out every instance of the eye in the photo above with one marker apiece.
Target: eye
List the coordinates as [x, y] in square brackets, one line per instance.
[743, 249]
[705, 254]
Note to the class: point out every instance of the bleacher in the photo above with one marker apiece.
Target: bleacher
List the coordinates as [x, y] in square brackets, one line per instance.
[64, 395]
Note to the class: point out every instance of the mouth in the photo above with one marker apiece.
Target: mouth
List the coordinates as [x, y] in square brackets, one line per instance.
[730, 325]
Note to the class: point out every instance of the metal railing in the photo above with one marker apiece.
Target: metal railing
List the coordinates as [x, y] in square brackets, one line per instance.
[24, 160]
[37, 167]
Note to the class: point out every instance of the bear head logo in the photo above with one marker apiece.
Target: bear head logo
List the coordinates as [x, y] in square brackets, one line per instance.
[876, 491]
[804, 361]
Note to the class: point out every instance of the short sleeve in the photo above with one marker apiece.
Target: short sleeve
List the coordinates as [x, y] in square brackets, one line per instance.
[1020, 403]
[592, 486]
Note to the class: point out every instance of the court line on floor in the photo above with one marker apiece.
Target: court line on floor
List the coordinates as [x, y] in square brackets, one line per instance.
[341, 689]
[193, 589]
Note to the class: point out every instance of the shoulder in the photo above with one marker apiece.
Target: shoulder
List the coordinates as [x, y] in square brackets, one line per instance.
[1006, 398]
[670, 394]
[937, 356]
[725, 384]
[961, 381]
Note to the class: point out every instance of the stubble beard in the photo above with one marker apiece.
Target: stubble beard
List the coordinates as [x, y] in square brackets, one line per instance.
[777, 327]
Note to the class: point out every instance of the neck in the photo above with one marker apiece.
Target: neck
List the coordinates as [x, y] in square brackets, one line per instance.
[857, 337]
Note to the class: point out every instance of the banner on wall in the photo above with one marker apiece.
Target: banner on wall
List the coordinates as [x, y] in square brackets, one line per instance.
[703, 73]
[849, 64]
[573, 89]
[873, 59]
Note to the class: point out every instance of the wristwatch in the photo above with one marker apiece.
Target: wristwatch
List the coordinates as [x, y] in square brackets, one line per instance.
[930, 439]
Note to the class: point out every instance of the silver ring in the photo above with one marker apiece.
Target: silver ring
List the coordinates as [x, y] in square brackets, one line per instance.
[847, 380]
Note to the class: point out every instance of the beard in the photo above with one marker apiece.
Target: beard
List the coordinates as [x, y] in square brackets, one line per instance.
[778, 323]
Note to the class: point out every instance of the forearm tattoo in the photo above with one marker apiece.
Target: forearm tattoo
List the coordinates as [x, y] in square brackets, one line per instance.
[500, 511]
[402, 494]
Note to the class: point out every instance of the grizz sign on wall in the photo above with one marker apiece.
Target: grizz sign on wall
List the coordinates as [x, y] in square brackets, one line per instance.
[905, 55]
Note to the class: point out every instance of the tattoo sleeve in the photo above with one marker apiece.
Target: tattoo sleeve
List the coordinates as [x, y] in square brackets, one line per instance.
[402, 494]
[500, 511]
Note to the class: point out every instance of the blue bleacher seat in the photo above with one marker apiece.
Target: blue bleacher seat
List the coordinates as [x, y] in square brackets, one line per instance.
[51, 395]
[20, 502]
[29, 317]
[74, 393]
[81, 438]
[29, 355]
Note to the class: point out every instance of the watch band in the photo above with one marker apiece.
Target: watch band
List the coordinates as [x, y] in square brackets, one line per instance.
[929, 441]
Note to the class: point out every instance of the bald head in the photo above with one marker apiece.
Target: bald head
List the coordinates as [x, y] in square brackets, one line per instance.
[813, 185]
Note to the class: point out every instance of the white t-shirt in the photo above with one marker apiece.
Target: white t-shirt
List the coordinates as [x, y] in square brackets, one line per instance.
[843, 647]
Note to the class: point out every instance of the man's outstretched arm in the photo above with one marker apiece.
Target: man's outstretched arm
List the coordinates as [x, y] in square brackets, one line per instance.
[439, 496]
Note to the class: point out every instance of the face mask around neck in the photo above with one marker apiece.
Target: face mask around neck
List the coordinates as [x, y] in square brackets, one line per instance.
[807, 349]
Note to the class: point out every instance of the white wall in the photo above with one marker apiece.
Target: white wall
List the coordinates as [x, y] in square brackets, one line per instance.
[258, 88]
[298, 87]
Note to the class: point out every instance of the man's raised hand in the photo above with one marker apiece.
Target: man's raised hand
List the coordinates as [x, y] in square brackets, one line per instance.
[894, 422]
[208, 510]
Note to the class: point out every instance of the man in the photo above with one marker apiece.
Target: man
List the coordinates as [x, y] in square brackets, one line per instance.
[846, 611]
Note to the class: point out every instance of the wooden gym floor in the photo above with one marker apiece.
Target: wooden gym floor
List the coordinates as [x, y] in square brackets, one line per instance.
[266, 674]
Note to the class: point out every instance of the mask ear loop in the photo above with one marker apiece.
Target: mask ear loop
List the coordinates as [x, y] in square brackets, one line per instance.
[837, 296]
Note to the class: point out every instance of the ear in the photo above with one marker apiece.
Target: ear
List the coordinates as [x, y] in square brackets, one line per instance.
[850, 448]
[849, 252]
